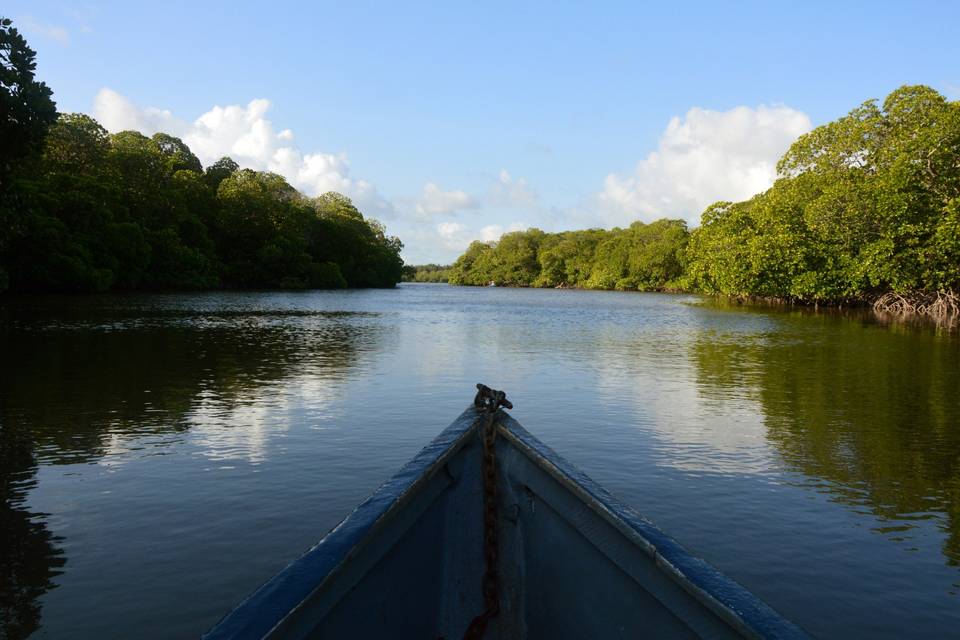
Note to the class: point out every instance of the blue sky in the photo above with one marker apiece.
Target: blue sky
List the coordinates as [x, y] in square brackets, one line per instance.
[453, 121]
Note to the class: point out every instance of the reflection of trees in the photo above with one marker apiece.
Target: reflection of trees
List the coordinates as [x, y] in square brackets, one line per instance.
[873, 411]
[78, 382]
[71, 382]
[30, 556]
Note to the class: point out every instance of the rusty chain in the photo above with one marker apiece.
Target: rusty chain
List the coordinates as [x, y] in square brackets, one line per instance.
[487, 402]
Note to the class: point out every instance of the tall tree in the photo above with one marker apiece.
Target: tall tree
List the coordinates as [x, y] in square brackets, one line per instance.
[177, 154]
[220, 171]
[84, 210]
[865, 205]
[26, 105]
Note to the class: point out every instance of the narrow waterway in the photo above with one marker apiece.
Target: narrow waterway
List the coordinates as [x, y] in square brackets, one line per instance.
[162, 455]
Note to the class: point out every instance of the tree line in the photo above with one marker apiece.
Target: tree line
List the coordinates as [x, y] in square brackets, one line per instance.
[642, 256]
[863, 206]
[426, 273]
[85, 210]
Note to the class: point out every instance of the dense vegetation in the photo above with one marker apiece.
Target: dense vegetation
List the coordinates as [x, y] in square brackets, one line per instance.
[426, 273]
[866, 205]
[642, 256]
[84, 210]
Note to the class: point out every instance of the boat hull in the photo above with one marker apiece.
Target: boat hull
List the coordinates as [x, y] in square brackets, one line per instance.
[574, 562]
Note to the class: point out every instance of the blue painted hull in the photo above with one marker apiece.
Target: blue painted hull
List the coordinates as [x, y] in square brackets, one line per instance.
[574, 561]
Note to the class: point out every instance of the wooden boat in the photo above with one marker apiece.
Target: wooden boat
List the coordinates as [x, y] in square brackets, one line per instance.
[487, 533]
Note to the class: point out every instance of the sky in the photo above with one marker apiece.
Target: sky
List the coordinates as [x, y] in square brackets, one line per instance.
[452, 122]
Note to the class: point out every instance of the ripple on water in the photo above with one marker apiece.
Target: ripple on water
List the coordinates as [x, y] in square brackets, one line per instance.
[812, 457]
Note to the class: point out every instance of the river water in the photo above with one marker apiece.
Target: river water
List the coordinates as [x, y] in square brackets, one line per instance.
[163, 455]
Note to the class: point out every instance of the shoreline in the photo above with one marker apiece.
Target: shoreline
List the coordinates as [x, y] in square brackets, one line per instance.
[941, 306]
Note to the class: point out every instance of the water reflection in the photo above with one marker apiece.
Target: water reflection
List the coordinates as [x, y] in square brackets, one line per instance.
[106, 383]
[868, 414]
[162, 373]
[217, 435]
[31, 555]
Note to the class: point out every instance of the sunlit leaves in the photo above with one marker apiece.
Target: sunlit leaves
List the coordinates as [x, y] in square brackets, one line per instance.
[643, 256]
[865, 205]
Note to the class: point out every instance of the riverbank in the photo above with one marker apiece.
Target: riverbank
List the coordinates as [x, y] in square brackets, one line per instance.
[942, 307]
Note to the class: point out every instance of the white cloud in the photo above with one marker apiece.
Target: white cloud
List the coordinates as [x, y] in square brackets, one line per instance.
[492, 232]
[704, 157]
[245, 134]
[503, 192]
[435, 201]
[117, 113]
[52, 31]
[509, 192]
[453, 235]
[425, 243]
[445, 242]
[82, 16]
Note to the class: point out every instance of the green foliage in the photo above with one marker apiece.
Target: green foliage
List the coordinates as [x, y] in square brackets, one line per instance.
[567, 258]
[643, 256]
[177, 154]
[366, 255]
[865, 205]
[92, 212]
[219, 171]
[26, 106]
[467, 270]
[83, 210]
[426, 273]
[943, 266]
[75, 144]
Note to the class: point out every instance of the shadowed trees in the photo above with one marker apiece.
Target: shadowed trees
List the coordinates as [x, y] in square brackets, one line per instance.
[84, 210]
[26, 110]
[91, 211]
[26, 105]
[426, 273]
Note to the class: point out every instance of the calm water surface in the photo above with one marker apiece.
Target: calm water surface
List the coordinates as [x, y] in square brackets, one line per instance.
[163, 455]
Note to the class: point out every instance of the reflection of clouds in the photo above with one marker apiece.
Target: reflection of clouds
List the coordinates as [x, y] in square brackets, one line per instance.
[314, 392]
[705, 437]
[227, 381]
[435, 349]
[689, 431]
[121, 446]
[224, 430]
[636, 350]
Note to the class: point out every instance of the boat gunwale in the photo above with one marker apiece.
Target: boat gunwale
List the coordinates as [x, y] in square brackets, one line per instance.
[266, 609]
[725, 597]
[278, 599]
